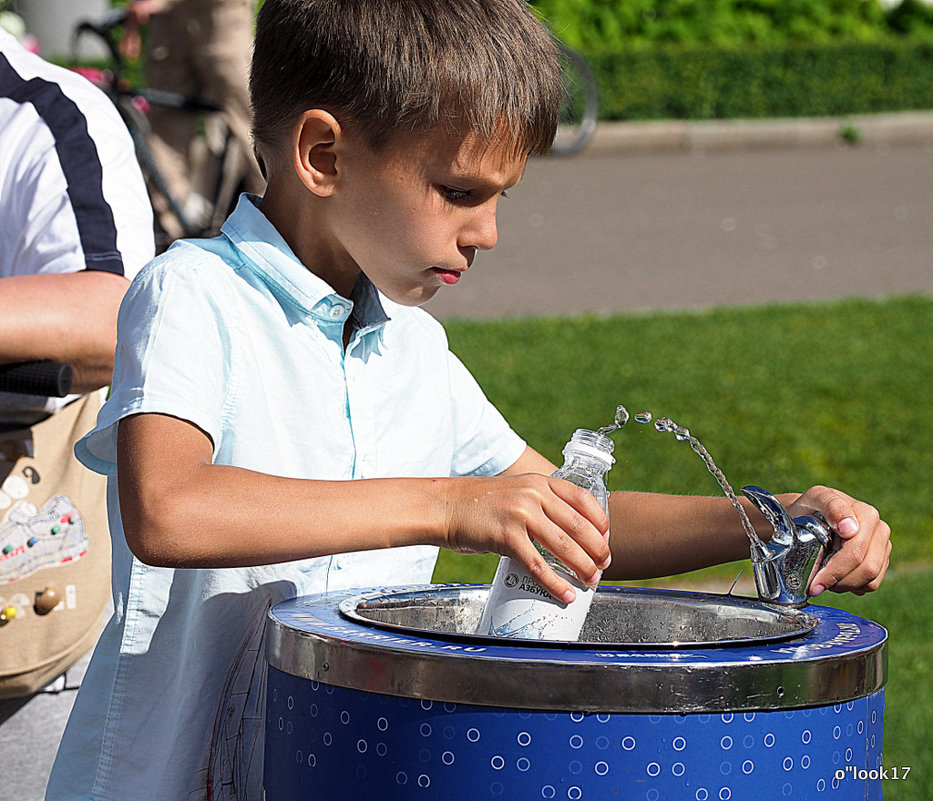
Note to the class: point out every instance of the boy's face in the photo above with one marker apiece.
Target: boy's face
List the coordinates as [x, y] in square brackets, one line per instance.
[413, 215]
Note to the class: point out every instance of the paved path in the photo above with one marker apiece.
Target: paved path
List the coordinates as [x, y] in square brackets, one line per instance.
[625, 228]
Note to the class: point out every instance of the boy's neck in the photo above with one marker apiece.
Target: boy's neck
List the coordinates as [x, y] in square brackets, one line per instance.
[300, 226]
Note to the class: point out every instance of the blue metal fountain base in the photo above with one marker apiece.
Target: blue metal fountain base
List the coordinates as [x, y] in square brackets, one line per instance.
[338, 743]
[342, 744]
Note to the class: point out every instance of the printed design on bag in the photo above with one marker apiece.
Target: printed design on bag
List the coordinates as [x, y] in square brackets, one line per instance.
[32, 539]
[15, 488]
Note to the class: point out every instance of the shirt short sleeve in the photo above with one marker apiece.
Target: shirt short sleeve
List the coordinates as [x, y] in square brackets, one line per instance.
[172, 357]
[485, 444]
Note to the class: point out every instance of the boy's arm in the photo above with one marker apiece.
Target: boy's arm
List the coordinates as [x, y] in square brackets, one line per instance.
[659, 535]
[180, 510]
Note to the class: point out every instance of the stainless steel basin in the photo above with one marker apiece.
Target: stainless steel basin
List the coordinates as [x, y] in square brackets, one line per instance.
[636, 618]
[644, 651]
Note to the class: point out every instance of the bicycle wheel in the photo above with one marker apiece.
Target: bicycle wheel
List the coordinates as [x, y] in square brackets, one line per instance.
[228, 179]
[579, 108]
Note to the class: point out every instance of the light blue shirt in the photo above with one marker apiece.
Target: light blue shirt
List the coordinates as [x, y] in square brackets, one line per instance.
[236, 336]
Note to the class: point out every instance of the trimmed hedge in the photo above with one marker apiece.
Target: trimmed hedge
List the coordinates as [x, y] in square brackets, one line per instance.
[606, 25]
[791, 81]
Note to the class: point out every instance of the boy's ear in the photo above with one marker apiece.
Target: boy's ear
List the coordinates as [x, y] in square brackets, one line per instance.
[315, 156]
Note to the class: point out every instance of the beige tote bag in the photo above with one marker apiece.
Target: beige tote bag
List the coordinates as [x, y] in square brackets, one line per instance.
[54, 550]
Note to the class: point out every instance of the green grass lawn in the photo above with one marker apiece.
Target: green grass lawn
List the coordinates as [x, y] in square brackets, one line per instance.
[783, 397]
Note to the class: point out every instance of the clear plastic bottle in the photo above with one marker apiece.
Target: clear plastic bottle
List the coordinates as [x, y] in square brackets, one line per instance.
[517, 606]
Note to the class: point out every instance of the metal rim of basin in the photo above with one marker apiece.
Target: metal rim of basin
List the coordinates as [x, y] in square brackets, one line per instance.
[745, 621]
[841, 659]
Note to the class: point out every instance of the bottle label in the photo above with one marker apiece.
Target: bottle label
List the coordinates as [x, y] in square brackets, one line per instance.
[523, 583]
[519, 607]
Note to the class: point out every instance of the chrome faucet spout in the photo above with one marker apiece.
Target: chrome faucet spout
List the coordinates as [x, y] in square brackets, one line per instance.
[795, 553]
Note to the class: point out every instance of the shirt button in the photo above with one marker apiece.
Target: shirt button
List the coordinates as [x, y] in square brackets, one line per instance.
[337, 312]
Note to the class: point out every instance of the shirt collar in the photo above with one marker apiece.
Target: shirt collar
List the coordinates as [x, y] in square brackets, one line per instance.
[266, 253]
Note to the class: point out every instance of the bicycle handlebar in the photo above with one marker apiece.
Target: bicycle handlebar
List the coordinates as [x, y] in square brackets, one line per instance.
[103, 30]
[104, 26]
[48, 378]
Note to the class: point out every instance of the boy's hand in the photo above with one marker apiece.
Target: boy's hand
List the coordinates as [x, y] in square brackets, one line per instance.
[506, 514]
[860, 564]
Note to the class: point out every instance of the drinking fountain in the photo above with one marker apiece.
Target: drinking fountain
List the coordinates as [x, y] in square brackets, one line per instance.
[668, 695]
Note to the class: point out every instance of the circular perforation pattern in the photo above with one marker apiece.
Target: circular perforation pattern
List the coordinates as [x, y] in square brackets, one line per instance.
[325, 741]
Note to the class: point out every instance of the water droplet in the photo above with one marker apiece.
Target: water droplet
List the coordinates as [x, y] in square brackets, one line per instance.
[621, 419]
[665, 424]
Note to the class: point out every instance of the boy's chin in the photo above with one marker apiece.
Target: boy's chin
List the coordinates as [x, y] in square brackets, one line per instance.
[417, 296]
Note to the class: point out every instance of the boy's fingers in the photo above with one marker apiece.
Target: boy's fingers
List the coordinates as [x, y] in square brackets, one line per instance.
[576, 540]
[858, 566]
[521, 510]
[582, 541]
[543, 575]
[582, 501]
[562, 543]
[836, 508]
[561, 538]
[863, 557]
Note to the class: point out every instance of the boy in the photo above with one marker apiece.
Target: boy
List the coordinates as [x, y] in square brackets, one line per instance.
[258, 371]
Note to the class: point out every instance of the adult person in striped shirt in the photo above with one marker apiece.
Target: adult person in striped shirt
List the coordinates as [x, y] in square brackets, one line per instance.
[75, 227]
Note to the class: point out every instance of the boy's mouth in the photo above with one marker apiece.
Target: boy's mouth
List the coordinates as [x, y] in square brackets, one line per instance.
[449, 277]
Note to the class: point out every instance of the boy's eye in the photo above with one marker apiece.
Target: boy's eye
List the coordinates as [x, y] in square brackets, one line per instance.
[455, 195]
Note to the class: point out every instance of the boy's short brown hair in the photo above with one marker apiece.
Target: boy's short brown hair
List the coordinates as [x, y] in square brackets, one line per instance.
[389, 67]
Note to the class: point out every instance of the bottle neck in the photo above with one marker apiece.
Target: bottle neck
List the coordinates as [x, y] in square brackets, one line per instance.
[590, 450]
[589, 463]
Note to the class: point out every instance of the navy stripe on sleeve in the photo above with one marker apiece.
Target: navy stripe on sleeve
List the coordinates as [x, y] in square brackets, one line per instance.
[79, 160]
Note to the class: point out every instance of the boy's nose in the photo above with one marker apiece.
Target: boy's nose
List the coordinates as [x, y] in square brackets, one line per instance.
[484, 232]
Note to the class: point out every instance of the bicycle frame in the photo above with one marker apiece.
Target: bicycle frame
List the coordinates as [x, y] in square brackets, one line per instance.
[133, 104]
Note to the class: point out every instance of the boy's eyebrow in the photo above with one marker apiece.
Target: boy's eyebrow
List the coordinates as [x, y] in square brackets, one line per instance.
[461, 173]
